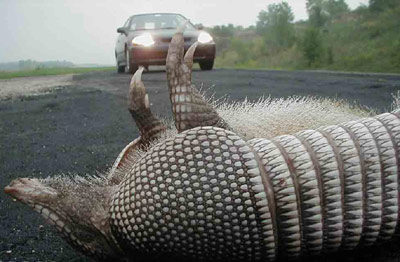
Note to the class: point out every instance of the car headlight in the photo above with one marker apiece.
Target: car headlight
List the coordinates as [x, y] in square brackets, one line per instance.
[204, 38]
[144, 40]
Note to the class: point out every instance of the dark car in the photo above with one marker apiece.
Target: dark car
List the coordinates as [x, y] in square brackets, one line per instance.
[144, 40]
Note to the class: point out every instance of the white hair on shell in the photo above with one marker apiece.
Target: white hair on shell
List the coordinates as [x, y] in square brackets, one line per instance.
[270, 117]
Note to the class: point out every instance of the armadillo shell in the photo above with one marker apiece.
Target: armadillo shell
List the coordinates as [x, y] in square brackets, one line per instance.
[210, 195]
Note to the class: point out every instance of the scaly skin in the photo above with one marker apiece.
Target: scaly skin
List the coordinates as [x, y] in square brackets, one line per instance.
[207, 194]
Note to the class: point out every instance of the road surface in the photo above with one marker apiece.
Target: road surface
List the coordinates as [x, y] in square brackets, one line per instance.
[79, 126]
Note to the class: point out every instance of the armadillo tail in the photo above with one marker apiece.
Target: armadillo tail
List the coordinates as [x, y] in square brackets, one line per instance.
[333, 188]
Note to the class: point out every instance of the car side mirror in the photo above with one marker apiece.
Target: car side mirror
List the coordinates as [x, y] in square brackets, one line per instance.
[121, 30]
[199, 26]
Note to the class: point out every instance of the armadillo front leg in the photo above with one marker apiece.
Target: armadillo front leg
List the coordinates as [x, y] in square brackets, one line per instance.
[210, 195]
[190, 109]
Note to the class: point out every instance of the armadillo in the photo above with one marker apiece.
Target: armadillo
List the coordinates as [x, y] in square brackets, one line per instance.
[207, 193]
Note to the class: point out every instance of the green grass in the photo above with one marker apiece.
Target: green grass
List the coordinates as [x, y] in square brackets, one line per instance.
[52, 71]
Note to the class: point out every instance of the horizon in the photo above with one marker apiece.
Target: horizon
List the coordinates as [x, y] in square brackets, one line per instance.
[84, 32]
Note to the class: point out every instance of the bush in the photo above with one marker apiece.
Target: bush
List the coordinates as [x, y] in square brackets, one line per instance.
[312, 46]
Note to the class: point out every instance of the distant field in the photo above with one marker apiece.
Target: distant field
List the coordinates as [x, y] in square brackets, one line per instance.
[52, 71]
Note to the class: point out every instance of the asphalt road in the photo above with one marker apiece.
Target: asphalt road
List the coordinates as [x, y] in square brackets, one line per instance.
[80, 128]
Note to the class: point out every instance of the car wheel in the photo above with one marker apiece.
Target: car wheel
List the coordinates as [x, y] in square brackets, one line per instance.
[120, 69]
[130, 67]
[207, 65]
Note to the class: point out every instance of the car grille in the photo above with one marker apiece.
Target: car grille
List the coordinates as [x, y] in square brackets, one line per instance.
[168, 39]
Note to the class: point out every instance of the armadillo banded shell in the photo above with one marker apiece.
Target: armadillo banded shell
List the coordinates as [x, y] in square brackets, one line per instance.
[206, 193]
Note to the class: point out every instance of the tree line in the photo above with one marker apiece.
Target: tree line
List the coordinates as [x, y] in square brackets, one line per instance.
[333, 37]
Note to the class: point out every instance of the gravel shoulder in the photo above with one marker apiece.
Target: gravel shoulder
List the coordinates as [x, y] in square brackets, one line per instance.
[29, 86]
[79, 123]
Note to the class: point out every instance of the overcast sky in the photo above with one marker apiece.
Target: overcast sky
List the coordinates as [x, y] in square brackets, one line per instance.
[84, 31]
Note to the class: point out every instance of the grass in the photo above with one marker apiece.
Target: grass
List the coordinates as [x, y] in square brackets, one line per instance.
[51, 71]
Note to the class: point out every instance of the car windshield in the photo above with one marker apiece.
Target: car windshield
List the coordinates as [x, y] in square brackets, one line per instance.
[158, 21]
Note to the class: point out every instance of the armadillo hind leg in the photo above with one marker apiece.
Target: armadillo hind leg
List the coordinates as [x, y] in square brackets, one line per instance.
[190, 108]
[210, 195]
[150, 127]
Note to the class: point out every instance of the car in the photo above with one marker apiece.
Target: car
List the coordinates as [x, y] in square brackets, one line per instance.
[144, 39]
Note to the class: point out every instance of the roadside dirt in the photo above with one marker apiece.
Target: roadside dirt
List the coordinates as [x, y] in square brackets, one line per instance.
[29, 86]
[83, 123]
